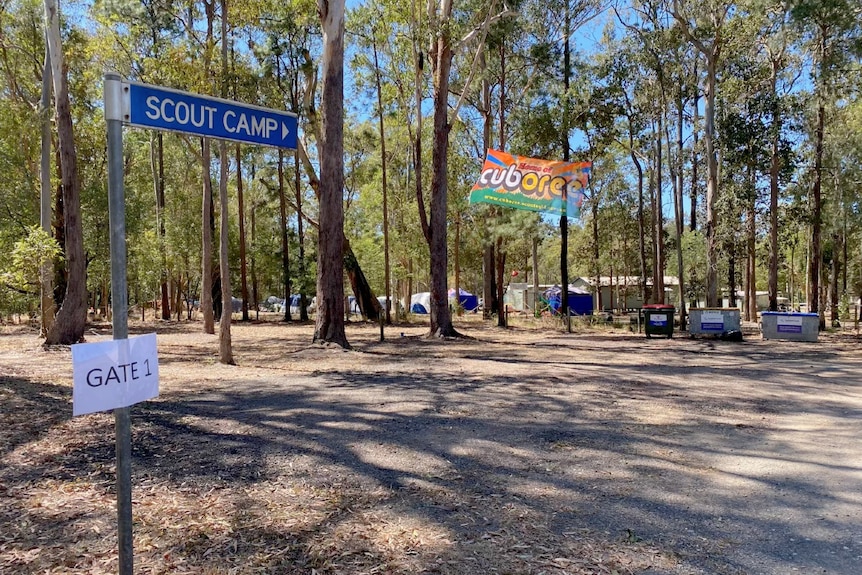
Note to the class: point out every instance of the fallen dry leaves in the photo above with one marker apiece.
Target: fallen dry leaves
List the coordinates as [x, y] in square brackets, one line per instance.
[57, 491]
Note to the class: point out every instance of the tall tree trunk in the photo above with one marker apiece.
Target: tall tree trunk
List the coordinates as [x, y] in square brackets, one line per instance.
[329, 326]
[489, 284]
[300, 233]
[207, 225]
[441, 49]
[711, 53]
[225, 348]
[658, 273]
[255, 294]
[594, 207]
[157, 164]
[489, 276]
[564, 220]
[653, 210]
[69, 325]
[676, 176]
[207, 217]
[535, 275]
[695, 161]
[751, 272]
[835, 272]
[459, 310]
[45, 273]
[386, 277]
[500, 264]
[500, 267]
[774, 169]
[301, 272]
[243, 256]
[816, 204]
[641, 224]
[711, 189]
[285, 260]
[731, 276]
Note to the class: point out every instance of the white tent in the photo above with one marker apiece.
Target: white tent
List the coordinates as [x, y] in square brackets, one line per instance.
[420, 302]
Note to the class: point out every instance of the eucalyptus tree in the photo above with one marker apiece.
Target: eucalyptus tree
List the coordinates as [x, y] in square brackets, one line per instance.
[329, 323]
[651, 28]
[444, 22]
[68, 328]
[832, 33]
[625, 75]
[703, 24]
[743, 128]
[774, 48]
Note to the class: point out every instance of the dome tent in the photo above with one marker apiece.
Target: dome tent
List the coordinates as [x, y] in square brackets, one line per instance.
[420, 303]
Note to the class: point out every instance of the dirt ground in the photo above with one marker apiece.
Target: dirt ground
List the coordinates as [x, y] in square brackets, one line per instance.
[519, 451]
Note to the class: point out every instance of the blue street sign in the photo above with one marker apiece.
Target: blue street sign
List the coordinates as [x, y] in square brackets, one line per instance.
[165, 109]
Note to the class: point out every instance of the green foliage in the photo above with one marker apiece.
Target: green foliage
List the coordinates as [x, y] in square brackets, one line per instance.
[621, 86]
[28, 256]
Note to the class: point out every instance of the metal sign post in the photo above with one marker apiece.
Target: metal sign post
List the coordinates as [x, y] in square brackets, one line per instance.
[161, 108]
[120, 310]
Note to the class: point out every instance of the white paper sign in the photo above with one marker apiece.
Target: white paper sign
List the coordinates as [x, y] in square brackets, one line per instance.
[112, 374]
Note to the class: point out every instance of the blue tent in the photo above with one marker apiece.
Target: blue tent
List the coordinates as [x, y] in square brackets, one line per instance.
[420, 303]
[580, 301]
[467, 300]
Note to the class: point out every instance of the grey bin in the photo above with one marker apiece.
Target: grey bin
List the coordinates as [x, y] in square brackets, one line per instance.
[790, 326]
[713, 320]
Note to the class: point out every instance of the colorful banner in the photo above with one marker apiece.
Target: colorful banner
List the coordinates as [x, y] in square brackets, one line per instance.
[530, 184]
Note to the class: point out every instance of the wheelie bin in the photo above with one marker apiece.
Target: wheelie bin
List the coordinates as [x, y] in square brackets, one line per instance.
[658, 319]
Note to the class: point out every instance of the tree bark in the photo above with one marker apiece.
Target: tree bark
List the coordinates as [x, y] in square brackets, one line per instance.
[711, 189]
[641, 225]
[695, 161]
[441, 318]
[225, 348]
[676, 175]
[816, 203]
[329, 326]
[45, 273]
[658, 272]
[69, 325]
[751, 283]
[300, 233]
[207, 216]
[564, 219]
[383, 183]
[158, 169]
[774, 169]
[285, 260]
[711, 53]
[243, 267]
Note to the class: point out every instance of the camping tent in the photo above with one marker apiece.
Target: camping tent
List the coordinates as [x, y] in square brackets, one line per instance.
[467, 300]
[420, 302]
[580, 301]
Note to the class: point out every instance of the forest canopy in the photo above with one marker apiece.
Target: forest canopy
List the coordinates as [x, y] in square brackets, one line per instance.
[725, 141]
